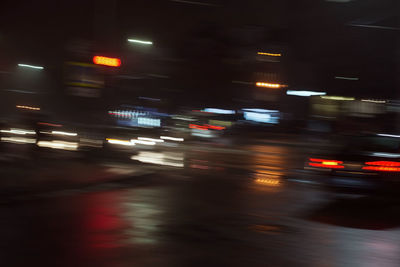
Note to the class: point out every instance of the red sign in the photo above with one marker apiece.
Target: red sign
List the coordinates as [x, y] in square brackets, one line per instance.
[107, 61]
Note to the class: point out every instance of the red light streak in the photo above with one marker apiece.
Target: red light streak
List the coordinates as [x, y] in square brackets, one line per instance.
[326, 163]
[49, 124]
[214, 127]
[383, 169]
[321, 165]
[384, 166]
[326, 160]
[206, 127]
[383, 163]
[107, 61]
[198, 127]
[196, 166]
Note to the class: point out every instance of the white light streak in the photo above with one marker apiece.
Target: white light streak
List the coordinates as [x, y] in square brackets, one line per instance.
[177, 139]
[63, 133]
[120, 142]
[59, 145]
[150, 139]
[18, 140]
[374, 101]
[142, 142]
[19, 131]
[166, 159]
[304, 93]
[386, 155]
[205, 134]
[389, 135]
[339, 98]
[140, 41]
[31, 66]
[375, 27]
[219, 111]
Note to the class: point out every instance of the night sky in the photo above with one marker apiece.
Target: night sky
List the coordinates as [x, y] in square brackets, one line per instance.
[319, 39]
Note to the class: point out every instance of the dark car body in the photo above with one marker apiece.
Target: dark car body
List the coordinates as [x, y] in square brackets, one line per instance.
[365, 163]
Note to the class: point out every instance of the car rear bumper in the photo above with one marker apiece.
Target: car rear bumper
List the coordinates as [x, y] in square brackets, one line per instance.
[361, 182]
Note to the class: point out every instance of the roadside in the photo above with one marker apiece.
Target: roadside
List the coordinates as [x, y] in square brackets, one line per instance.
[52, 175]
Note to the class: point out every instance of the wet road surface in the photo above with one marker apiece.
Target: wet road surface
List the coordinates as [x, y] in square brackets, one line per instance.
[218, 209]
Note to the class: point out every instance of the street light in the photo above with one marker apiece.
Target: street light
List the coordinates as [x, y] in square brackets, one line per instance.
[30, 66]
[140, 42]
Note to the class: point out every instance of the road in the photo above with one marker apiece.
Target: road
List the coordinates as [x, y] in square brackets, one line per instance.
[221, 207]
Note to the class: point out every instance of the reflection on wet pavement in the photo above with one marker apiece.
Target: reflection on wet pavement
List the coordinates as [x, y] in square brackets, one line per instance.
[172, 159]
[215, 218]
[144, 214]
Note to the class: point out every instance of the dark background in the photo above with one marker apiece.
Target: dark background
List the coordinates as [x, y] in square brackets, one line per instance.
[202, 48]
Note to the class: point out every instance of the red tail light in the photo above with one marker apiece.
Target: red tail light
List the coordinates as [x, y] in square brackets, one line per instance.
[382, 169]
[384, 166]
[326, 163]
[214, 127]
[384, 163]
[206, 127]
[198, 127]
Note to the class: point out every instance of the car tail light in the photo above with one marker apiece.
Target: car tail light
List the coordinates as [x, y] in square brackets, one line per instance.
[326, 163]
[214, 127]
[384, 166]
[206, 127]
[198, 127]
[384, 163]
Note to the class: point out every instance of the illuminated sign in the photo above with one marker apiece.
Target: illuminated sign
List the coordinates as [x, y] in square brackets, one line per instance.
[107, 61]
[219, 111]
[149, 122]
[261, 115]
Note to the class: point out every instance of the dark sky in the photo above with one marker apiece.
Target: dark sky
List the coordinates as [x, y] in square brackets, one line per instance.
[322, 41]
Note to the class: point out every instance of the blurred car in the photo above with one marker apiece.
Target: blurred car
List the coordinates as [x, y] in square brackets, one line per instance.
[367, 163]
